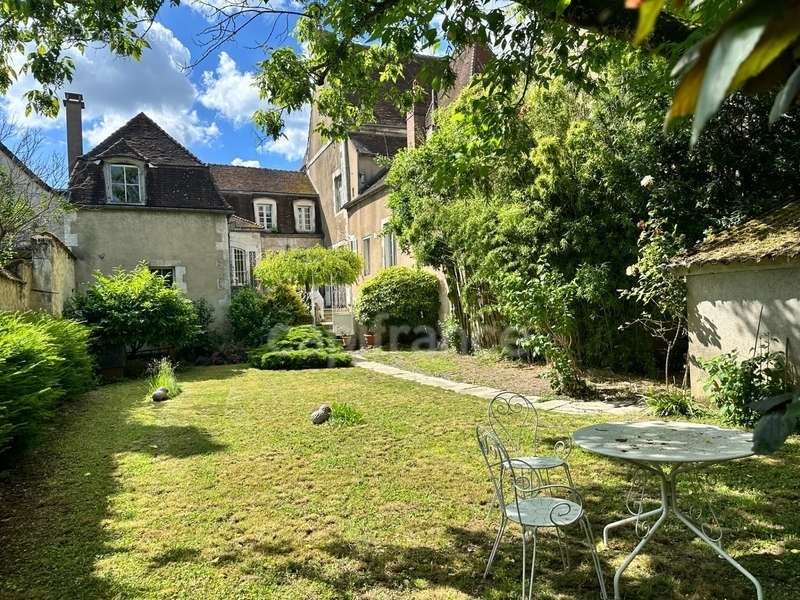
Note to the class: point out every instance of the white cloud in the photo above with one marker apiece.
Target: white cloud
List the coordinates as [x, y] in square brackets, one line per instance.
[232, 94]
[115, 89]
[240, 162]
[230, 91]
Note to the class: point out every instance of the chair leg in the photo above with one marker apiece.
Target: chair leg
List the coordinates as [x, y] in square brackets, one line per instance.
[524, 560]
[562, 548]
[533, 567]
[500, 531]
[569, 475]
[587, 529]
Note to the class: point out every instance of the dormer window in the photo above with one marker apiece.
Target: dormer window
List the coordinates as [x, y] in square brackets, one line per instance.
[125, 184]
[304, 216]
[266, 214]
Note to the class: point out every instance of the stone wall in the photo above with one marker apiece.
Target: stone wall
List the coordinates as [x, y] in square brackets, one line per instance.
[44, 281]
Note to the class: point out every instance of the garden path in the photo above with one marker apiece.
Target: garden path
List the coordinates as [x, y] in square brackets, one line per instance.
[562, 405]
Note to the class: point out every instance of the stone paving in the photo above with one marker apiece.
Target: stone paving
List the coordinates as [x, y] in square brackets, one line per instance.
[487, 393]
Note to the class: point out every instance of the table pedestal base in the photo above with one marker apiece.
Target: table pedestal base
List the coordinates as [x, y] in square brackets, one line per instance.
[669, 505]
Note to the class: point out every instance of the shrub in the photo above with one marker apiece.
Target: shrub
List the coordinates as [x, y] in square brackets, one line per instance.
[42, 360]
[399, 297]
[452, 334]
[136, 309]
[71, 341]
[671, 402]
[734, 385]
[162, 374]
[253, 314]
[344, 414]
[302, 347]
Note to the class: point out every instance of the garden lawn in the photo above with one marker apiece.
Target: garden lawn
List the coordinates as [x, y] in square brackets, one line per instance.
[228, 491]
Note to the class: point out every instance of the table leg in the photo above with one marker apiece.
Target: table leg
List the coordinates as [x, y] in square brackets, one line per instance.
[669, 503]
[627, 520]
[664, 510]
[716, 547]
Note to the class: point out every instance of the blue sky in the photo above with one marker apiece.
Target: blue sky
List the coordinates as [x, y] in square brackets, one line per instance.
[207, 108]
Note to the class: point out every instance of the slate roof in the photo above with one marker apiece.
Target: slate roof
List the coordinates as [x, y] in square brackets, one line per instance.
[774, 235]
[231, 178]
[378, 143]
[148, 140]
[174, 177]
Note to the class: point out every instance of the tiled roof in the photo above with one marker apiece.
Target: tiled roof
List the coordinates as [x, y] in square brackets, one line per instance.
[470, 62]
[174, 178]
[231, 178]
[385, 112]
[378, 143]
[148, 140]
[241, 224]
[773, 235]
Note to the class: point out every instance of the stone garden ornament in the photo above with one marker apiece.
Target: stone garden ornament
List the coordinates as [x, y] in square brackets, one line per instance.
[322, 414]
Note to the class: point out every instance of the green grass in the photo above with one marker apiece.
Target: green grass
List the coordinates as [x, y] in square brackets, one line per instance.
[344, 414]
[162, 375]
[229, 491]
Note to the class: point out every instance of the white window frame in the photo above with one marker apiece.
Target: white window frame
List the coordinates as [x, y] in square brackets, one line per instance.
[140, 173]
[258, 203]
[388, 238]
[245, 271]
[366, 248]
[338, 190]
[302, 204]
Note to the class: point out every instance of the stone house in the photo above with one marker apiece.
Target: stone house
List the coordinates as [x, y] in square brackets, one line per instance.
[744, 291]
[349, 175]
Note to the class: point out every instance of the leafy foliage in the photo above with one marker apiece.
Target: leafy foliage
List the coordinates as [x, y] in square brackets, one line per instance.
[162, 375]
[307, 267]
[671, 402]
[136, 309]
[254, 314]
[42, 361]
[399, 297]
[301, 347]
[736, 386]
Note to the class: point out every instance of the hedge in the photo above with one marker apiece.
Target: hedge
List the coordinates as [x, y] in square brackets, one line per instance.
[399, 297]
[42, 361]
[301, 347]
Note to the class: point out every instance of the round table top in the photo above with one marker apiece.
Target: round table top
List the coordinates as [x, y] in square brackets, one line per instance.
[665, 442]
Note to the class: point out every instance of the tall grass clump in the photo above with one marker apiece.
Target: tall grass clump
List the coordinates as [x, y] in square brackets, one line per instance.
[345, 414]
[162, 375]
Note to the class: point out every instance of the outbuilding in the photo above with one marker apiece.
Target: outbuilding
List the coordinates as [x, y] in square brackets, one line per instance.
[744, 291]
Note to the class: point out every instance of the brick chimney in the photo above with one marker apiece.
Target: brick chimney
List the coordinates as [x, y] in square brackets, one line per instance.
[415, 124]
[74, 107]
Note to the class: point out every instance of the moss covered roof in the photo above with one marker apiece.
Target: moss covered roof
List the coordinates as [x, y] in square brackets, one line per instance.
[774, 235]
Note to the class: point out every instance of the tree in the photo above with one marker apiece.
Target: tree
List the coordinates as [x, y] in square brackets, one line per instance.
[27, 202]
[726, 45]
[308, 268]
[136, 309]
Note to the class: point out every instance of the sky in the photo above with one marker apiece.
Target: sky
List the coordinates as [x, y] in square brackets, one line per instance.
[206, 108]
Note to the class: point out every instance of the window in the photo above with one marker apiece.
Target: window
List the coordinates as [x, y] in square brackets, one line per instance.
[389, 250]
[365, 243]
[337, 191]
[354, 245]
[266, 214]
[168, 273]
[240, 270]
[125, 185]
[304, 216]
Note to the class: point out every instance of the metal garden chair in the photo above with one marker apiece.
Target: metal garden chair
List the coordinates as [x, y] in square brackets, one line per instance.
[515, 420]
[532, 506]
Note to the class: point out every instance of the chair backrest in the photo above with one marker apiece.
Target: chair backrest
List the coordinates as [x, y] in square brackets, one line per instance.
[515, 420]
[515, 485]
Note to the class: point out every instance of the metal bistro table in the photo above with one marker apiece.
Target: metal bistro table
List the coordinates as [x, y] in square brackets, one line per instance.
[667, 450]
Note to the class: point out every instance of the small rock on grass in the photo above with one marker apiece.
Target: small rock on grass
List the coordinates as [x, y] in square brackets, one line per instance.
[160, 394]
[322, 414]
